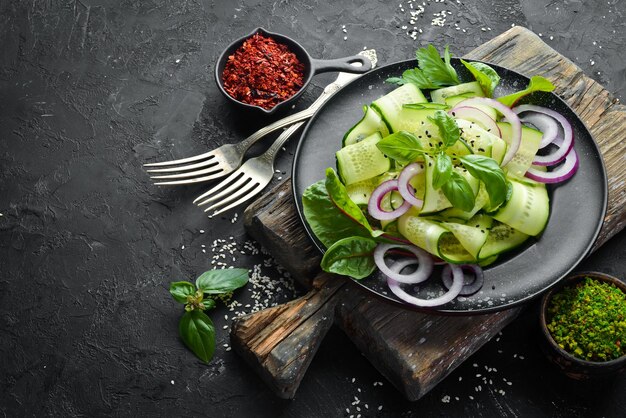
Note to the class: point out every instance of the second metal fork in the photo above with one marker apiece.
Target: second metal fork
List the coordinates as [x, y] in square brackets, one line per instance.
[247, 181]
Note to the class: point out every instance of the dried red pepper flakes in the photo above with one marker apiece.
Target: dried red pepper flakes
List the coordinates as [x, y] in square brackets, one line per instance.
[263, 72]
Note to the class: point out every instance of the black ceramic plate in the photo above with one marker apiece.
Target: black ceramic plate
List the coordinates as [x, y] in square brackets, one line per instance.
[577, 206]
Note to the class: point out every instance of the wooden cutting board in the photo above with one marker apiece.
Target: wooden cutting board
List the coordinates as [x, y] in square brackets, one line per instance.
[414, 351]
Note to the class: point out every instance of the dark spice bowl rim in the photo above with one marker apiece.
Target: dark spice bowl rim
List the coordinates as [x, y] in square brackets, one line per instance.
[312, 67]
[543, 316]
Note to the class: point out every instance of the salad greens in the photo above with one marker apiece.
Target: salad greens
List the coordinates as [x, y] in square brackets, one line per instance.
[195, 327]
[459, 175]
[432, 72]
[537, 83]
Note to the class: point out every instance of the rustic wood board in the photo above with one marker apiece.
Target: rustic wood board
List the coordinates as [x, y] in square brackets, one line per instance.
[281, 341]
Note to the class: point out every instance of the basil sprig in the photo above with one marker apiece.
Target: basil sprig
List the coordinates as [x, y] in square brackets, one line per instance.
[195, 327]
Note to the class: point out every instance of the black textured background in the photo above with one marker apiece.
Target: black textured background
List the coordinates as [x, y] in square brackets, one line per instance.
[90, 90]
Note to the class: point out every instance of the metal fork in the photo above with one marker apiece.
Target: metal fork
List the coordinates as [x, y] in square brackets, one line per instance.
[247, 181]
[219, 162]
[227, 158]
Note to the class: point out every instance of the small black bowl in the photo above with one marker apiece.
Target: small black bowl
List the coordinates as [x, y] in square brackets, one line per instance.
[312, 66]
[570, 365]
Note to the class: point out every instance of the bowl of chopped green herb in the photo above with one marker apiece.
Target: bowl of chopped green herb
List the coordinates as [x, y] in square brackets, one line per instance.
[583, 321]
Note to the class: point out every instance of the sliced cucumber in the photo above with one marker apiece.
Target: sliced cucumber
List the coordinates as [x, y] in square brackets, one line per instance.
[413, 120]
[390, 104]
[452, 250]
[423, 232]
[527, 209]
[440, 95]
[370, 123]
[361, 161]
[501, 238]
[468, 236]
[525, 155]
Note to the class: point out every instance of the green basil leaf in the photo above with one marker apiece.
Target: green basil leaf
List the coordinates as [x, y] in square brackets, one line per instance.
[339, 196]
[486, 76]
[180, 291]
[198, 333]
[328, 223]
[537, 83]
[351, 256]
[458, 191]
[401, 146]
[208, 303]
[439, 72]
[222, 280]
[489, 172]
[442, 170]
[448, 128]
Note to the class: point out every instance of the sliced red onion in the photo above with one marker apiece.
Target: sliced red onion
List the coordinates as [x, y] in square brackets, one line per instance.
[562, 173]
[471, 284]
[568, 134]
[457, 285]
[421, 274]
[405, 189]
[373, 205]
[473, 114]
[510, 116]
[548, 127]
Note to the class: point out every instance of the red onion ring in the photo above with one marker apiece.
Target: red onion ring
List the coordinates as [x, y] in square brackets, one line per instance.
[421, 274]
[405, 188]
[510, 116]
[469, 286]
[473, 114]
[373, 205]
[568, 134]
[457, 285]
[562, 173]
[548, 127]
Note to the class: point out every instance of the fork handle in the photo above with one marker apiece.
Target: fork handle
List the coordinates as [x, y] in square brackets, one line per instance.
[271, 152]
[289, 120]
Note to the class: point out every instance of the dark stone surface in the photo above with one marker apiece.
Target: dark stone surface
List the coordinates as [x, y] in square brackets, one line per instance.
[90, 90]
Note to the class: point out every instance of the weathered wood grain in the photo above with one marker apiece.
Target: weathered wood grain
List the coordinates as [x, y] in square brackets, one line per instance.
[282, 237]
[414, 351]
[280, 342]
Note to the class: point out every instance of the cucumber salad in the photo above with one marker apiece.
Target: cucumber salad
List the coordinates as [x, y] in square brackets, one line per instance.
[439, 172]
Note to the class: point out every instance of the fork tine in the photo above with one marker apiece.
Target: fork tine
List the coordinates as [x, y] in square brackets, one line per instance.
[181, 161]
[249, 194]
[213, 176]
[206, 163]
[196, 173]
[229, 185]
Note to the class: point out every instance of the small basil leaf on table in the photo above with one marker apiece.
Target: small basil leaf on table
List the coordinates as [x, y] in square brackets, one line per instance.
[198, 333]
[401, 146]
[489, 172]
[353, 256]
[486, 76]
[180, 291]
[459, 192]
[442, 170]
[208, 304]
[222, 281]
